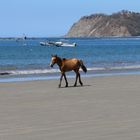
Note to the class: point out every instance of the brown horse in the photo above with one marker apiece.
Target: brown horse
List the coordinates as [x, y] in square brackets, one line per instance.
[66, 65]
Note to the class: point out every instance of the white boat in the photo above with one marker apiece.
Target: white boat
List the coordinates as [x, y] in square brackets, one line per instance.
[58, 44]
[68, 45]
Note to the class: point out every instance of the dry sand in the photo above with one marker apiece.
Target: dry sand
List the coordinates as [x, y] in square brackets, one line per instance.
[105, 108]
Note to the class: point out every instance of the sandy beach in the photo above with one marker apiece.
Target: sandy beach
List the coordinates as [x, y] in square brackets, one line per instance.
[105, 108]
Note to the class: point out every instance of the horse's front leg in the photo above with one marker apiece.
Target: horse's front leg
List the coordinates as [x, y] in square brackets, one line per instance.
[61, 80]
[66, 80]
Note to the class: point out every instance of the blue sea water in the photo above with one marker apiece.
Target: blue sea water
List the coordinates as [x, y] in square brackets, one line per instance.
[27, 60]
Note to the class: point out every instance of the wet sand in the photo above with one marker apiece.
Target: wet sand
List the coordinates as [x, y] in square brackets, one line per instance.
[105, 108]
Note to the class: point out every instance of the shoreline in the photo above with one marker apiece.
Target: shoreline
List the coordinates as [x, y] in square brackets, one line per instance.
[71, 75]
[104, 108]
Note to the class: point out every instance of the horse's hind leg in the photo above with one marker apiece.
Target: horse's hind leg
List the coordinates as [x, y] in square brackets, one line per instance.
[66, 80]
[80, 79]
[76, 79]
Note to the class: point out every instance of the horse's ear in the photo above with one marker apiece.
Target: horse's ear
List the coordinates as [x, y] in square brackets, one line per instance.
[55, 55]
[52, 55]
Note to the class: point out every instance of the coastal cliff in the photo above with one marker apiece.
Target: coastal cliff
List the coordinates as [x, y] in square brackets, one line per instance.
[121, 24]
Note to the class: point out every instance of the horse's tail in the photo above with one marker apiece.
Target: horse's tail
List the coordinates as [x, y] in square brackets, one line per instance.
[83, 66]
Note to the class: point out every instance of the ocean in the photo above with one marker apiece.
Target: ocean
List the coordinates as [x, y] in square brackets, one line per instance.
[24, 60]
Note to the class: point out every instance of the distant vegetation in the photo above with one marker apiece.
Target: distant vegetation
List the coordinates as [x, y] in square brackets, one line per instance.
[121, 24]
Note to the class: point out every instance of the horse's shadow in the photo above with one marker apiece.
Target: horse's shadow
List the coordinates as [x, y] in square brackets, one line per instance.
[79, 86]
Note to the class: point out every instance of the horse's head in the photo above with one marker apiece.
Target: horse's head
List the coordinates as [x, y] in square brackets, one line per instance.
[53, 60]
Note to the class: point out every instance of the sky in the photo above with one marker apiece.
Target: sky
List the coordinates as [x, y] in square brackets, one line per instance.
[53, 18]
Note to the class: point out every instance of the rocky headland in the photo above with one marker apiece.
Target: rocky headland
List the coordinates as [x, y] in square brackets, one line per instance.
[121, 24]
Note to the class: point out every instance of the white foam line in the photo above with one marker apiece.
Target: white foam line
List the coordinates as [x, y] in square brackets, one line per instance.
[9, 80]
[49, 71]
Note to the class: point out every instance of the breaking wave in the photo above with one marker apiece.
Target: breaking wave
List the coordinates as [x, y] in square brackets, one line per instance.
[53, 71]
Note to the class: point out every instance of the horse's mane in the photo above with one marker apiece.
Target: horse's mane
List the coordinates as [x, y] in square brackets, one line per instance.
[64, 59]
[59, 57]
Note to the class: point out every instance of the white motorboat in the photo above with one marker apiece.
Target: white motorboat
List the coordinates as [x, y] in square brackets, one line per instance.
[58, 44]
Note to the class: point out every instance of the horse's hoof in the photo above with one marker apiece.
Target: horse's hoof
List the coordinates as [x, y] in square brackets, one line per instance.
[66, 86]
[74, 85]
[81, 84]
[59, 86]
